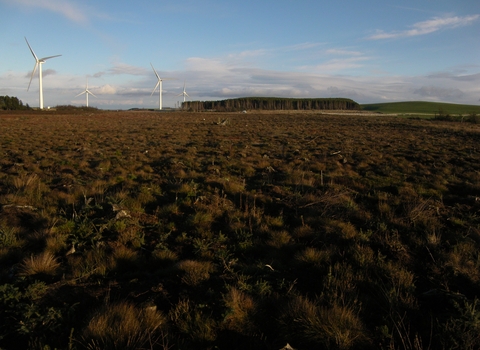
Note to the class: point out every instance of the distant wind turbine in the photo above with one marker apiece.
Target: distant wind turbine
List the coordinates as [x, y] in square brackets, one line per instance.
[86, 92]
[159, 83]
[38, 64]
[184, 93]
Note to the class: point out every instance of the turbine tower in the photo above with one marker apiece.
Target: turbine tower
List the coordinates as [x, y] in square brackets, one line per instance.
[184, 93]
[38, 64]
[86, 92]
[159, 83]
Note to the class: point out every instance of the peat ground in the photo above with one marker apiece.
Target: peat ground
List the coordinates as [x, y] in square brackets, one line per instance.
[137, 229]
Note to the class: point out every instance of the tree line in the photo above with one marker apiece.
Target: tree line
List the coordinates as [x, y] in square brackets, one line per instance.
[11, 103]
[272, 103]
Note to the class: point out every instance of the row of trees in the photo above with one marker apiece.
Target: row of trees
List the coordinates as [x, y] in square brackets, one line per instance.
[11, 103]
[273, 103]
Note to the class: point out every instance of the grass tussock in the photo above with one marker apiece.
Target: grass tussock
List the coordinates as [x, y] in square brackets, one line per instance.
[124, 326]
[41, 264]
[199, 327]
[195, 272]
[240, 314]
[329, 327]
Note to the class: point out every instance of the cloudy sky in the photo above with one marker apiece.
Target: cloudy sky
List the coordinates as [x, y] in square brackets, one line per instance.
[367, 50]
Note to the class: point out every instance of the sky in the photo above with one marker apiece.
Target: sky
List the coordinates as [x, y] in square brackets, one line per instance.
[371, 51]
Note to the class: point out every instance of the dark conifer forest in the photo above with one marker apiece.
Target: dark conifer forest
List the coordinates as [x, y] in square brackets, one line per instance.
[273, 103]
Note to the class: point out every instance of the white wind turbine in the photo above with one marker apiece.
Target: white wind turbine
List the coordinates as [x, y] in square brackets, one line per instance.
[159, 83]
[38, 64]
[86, 92]
[184, 93]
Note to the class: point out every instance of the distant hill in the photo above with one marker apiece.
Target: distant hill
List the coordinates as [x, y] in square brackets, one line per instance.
[413, 107]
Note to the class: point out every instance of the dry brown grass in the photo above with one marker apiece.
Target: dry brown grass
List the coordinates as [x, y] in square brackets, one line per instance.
[241, 309]
[332, 327]
[312, 256]
[195, 272]
[190, 321]
[41, 264]
[124, 326]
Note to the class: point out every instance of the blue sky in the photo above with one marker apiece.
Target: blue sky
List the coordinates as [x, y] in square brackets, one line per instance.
[370, 50]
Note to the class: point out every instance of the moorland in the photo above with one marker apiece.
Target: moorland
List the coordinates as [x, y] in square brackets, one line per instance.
[147, 230]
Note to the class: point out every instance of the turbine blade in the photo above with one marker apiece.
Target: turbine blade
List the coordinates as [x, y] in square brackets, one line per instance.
[31, 50]
[158, 77]
[33, 73]
[155, 88]
[91, 93]
[46, 58]
[81, 93]
[186, 94]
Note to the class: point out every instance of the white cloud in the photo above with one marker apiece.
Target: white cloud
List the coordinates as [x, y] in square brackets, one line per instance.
[106, 89]
[248, 54]
[343, 52]
[460, 77]
[337, 61]
[122, 68]
[213, 65]
[66, 8]
[337, 65]
[45, 72]
[439, 93]
[301, 46]
[426, 27]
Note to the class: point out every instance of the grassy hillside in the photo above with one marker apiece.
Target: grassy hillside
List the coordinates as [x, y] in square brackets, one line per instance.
[421, 107]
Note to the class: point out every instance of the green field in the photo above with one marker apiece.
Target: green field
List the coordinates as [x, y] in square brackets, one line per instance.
[414, 107]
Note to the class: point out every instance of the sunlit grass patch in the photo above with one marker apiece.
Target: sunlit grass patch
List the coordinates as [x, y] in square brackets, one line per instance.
[195, 272]
[41, 264]
[125, 259]
[9, 237]
[164, 257]
[56, 242]
[240, 311]
[124, 326]
[304, 231]
[332, 327]
[279, 239]
[196, 325]
[312, 256]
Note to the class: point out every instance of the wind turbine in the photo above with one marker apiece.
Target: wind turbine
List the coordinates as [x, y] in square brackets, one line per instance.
[86, 92]
[159, 83]
[184, 93]
[38, 64]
